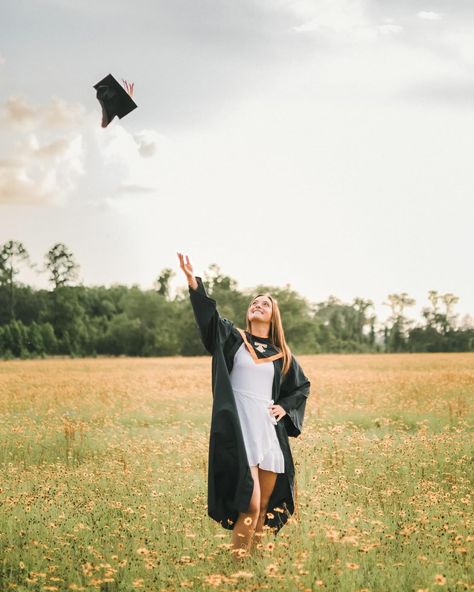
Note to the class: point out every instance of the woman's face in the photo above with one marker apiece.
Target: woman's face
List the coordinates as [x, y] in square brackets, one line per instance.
[260, 309]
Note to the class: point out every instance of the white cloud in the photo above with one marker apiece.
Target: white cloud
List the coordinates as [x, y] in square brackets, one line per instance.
[50, 153]
[59, 113]
[18, 112]
[459, 43]
[135, 189]
[340, 16]
[342, 20]
[132, 158]
[45, 151]
[429, 15]
[55, 148]
[41, 173]
[390, 29]
[17, 187]
[147, 141]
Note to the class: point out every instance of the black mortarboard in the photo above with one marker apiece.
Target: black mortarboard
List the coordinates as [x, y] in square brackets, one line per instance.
[114, 99]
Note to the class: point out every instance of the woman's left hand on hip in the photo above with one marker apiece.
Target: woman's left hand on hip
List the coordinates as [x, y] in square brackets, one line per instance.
[277, 411]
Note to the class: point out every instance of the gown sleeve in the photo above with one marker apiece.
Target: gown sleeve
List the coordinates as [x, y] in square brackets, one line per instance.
[294, 391]
[213, 328]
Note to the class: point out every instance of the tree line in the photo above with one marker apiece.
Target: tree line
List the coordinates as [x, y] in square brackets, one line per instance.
[76, 320]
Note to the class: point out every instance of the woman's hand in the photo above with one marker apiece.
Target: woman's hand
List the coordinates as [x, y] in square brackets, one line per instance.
[277, 411]
[187, 270]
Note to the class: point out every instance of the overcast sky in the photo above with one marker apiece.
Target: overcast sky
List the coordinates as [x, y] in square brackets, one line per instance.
[327, 144]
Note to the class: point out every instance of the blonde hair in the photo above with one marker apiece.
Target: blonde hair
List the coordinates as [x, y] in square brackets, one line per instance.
[277, 333]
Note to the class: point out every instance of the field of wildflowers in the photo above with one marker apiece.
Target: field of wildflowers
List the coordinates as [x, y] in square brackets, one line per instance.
[104, 469]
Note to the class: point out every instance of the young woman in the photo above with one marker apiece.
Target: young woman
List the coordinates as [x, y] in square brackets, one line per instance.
[259, 398]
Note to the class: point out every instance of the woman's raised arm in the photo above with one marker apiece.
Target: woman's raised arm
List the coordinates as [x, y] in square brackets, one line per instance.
[187, 270]
[212, 326]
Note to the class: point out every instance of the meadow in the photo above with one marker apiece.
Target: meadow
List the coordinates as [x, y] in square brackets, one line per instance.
[104, 475]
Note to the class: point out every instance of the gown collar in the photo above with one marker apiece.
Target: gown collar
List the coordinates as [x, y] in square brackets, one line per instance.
[260, 348]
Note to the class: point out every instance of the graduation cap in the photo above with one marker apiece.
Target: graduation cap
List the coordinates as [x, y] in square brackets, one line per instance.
[114, 99]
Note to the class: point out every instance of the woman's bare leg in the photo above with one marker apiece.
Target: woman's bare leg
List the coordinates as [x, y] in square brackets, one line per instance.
[244, 528]
[267, 480]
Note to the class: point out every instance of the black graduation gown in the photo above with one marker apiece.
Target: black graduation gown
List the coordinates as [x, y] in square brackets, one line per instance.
[230, 482]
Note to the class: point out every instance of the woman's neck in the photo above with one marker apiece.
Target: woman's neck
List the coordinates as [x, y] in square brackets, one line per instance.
[260, 330]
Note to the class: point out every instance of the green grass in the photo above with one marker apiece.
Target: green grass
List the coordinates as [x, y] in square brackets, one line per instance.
[104, 477]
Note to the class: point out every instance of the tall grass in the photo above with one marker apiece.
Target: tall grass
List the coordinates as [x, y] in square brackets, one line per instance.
[104, 471]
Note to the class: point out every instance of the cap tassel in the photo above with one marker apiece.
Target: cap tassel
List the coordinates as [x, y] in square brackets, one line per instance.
[128, 86]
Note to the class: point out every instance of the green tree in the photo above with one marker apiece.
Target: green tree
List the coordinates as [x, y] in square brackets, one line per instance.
[35, 341]
[12, 256]
[123, 337]
[396, 339]
[449, 300]
[162, 283]
[157, 323]
[361, 307]
[341, 327]
[15, 339]
[232, 303]
[68, 316]
[61, 265]
[48, 337]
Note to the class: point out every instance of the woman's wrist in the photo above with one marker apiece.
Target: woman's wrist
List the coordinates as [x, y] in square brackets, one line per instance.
[192, 282]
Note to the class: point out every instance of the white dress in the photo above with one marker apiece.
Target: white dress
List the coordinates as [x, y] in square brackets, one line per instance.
[252, 386]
